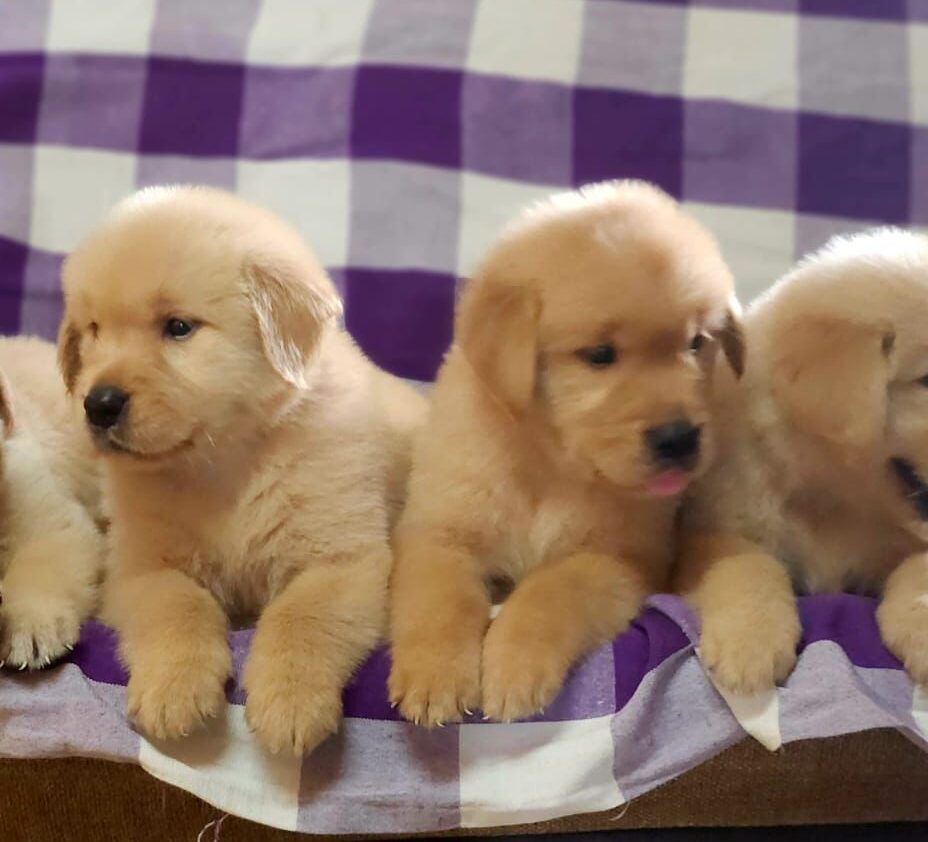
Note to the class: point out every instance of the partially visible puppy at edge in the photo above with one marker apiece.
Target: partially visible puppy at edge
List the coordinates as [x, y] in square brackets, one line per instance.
[820, 481]
[252, 458]
[51, 549]
[566, 421]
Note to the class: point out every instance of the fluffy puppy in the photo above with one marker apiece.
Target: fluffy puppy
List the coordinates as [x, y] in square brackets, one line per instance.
[567, 418]
[819, 482]
[249, 453]
[51, 552]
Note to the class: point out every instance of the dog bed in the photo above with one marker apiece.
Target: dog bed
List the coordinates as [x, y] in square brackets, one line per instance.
[634, 715]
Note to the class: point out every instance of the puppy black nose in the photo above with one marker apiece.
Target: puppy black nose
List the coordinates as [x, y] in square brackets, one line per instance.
[104, 405]
[676, 443]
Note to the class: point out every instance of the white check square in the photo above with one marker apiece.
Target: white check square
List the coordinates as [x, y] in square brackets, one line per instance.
[312, 195]
[535, 39]
[748, 57]
[317, 33]
[123, 27]
[487, 205]
[73, 189]
[758, 245]
[534, 771]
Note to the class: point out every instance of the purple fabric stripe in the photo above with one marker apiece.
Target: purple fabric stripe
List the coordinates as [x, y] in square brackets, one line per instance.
[13, 256]
[408, 114]
[21, 77]
[192, 108]
[517, 129]
[650, 640]
[297, 112]
[401, 319]
[858, 169]
[622, 134]
[864, 9]
[851, 622]
[92, 101]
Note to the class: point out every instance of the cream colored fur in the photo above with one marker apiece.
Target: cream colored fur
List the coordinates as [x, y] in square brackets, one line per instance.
[51, 551]
[255, 472]
[532, 468]
[802, 491]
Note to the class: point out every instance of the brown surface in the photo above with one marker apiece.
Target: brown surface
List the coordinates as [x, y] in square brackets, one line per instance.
[871, 777]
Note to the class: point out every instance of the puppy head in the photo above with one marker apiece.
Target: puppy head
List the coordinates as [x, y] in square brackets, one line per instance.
[843, 344]
[599, 312]
[191, 317]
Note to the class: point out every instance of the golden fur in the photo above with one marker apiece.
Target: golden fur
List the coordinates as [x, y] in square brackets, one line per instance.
[51, 551]
[255, 469]
[804, 487]
[532, 468]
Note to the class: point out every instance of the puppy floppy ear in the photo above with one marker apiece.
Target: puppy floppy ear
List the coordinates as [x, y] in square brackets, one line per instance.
[497, 332]
[293, 305]
[731, 337]
[69, 354]
[830, 376]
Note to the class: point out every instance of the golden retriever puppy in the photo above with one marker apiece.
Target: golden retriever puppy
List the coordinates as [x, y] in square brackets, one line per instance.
[249, 454]
[51, 551]
[820, 476]
[567, 419]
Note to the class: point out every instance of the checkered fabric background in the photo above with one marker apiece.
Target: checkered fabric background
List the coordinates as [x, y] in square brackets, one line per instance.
[399, 135]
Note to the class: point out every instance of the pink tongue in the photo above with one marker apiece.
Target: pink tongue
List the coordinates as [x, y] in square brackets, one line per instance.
[668, 483]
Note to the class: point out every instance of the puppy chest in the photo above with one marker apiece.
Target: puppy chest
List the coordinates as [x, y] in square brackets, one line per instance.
[529, 536]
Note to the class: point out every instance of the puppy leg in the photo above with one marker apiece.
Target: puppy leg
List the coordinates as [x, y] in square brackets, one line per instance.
[559, 612]
[173, 639]
[50, 588]
[903, 615]
[309, 641]
[746, 604]
[440, 610]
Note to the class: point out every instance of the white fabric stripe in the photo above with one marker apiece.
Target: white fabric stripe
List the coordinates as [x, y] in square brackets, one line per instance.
[225, 767]
[920, 709]
[535, 771]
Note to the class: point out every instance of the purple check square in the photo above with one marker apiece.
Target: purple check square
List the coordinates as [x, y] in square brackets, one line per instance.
[919, 208]
[619, 134]
[20, 92]
[13, 257]
[517, 129]
[294, 112]
[409, 114]
[740, 155]
[402, 319]
[92, 100]
[192, 108]
[859, 169]
[881, 10]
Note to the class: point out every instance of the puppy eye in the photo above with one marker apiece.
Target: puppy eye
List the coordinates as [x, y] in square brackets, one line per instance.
[923, 381]
[599, 356]
[94, 329]
[178, 328]
[697, 343]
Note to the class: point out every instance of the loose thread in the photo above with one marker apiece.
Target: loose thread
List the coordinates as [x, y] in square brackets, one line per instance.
[216, 825]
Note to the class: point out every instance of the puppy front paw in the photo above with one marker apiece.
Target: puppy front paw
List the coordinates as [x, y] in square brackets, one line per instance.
[904, 628]
[171, 694]
[37, 630]
[288, 707]
[521, 674]
[432, 685]
[749, 655]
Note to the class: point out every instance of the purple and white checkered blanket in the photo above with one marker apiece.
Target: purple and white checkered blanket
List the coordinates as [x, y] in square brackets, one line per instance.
[398, 136]
[632, 716]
